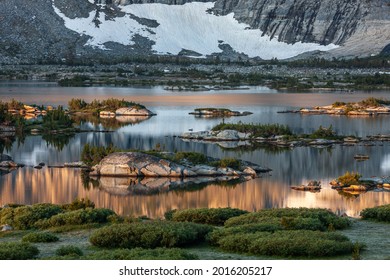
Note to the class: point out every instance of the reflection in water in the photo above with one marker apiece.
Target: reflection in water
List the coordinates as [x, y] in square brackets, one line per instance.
[153, 186]
[106, 122]
[30, 186]
[291, 167]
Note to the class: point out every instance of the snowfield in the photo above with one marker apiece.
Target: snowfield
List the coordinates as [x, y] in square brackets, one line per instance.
[188, 27]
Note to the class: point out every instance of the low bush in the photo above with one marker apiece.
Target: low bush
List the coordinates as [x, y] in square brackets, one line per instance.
[349, 178]
[143, 254]
[210, 216]
[380, 213]
[78, 204]
[92, 155]
[293, 218]
[296, 243]
[17, 251]
[69, 250]
[25, 217]
[229, 162]
[77, 217]
[40, 237]
[149, 235]
[257, 130]
[323, 132]
[192, 157]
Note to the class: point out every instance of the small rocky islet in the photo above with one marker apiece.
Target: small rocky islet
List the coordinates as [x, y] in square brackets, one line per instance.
[367, 107]
[217, 113]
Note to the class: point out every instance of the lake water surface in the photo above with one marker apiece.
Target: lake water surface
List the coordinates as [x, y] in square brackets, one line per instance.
[290, 167]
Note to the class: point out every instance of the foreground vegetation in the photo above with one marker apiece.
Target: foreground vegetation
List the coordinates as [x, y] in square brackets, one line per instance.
[380, 213]
[277, 233]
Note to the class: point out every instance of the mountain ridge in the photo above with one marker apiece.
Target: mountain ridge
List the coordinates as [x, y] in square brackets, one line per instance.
[38, 31]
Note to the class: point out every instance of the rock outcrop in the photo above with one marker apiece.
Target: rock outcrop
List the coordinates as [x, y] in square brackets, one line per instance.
[133, 111]
[140, 165]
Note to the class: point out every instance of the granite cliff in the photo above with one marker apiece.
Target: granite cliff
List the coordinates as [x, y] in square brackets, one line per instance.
[63, 30]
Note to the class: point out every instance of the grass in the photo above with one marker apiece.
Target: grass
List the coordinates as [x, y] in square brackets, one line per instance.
[143, 254]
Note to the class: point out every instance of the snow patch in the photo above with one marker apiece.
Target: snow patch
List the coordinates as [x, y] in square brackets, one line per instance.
[187, 26]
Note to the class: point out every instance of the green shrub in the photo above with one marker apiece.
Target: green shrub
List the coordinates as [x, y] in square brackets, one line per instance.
[257, 130]
[149, 235]
[192, 157]
[40, 237]
[79, 204]
[25, 217]
[110, 104]
[323, 132]
[143, 254]
[293, 218]
[349, 178]
[17, 251]
[69, 250]
[380, 213]
[338, 104]
[230, 162]
[77, 217]
[56, 118]
[92, 155]
[297, 243]
[169, 214]
[210, 216]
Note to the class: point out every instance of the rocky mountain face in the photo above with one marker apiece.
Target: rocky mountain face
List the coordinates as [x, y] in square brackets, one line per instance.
[55, 30]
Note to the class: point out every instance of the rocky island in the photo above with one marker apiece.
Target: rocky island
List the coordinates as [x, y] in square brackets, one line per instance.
[238, 135]
[179, 165]
[218, 112]
[368, 107]
[146, 173]
[354, 183]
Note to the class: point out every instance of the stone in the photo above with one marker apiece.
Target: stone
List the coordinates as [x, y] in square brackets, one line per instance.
[6, 228]
[355, 188]
[107, 114]
[8, 164]
[133, 111]
[135, 164]
[249, 171]
[228, 135]
[314, 183]
[4, 157]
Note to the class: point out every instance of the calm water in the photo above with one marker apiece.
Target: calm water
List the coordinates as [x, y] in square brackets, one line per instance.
[290, 167]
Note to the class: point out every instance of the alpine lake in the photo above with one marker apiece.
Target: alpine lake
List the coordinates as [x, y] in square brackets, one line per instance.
[290, 166]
